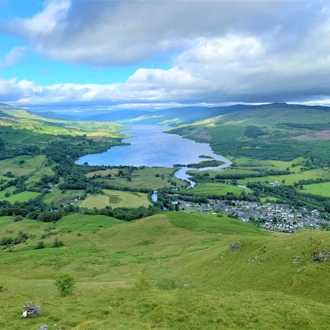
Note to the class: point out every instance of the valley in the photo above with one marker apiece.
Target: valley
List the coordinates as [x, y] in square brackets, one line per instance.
[187, 260]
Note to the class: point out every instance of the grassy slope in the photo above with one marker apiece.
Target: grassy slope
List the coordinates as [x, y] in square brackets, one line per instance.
[276, 113]
[231, 127]
[19, 118]
[116, 198]
[13, 165]
[195, 281]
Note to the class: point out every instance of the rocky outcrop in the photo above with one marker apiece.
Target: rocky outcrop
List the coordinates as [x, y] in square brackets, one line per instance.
[320, 256]
[31, 310]
[235, 246]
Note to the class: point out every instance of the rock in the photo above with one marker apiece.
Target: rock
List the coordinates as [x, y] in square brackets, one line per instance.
[43, 327]
[235, 246]
[321, 256]
[31, 310]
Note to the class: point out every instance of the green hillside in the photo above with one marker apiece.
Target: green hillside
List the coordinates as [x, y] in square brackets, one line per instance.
[23, 133]
[275, 131]
[170, 271]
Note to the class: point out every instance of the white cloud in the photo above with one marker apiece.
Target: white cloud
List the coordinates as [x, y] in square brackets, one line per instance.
[43, 23]
[12, 57]
[104, 33]
[225, 51]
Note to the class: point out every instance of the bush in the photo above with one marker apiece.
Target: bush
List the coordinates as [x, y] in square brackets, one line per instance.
[17, 218]
[65, 284]
[57, 243]
[40, 245]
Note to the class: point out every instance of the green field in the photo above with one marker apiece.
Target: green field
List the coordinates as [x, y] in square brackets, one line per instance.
[20, 197]
[291, 178]
[322, 189]
[116, 198]
[58, 198]
[215, 189]
[246, 162]
[170, 271]
[21, 165]
[143, 178]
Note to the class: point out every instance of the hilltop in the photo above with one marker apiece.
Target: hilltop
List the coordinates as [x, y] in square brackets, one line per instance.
[172, 270]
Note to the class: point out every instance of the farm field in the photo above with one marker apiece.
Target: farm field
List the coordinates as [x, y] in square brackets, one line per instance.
[20, 197]
[58, 198]
[211, 188]
[103, 173]
[290, 178]
[171, 270]
[242, 162]
[116, 198]
[322, 189]
[21, 165]
[142, 178]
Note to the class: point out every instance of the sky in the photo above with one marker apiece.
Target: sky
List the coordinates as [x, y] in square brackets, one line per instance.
[97, 55]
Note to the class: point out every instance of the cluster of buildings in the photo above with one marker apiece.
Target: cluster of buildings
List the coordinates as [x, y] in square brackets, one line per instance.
[270, 216]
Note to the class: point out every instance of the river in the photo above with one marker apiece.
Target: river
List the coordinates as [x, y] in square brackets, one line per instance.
[150, 146]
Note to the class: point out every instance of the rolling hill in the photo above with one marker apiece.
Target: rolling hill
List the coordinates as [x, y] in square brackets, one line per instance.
[170, 117]
[172, 270]
[274, 131]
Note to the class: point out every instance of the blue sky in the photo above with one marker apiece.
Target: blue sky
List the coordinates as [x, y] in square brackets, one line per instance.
[84, 54]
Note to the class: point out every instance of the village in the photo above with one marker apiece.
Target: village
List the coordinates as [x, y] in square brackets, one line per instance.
[277, 217]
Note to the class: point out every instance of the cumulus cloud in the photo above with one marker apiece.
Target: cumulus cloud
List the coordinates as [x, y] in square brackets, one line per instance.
[221, 51]
[116, 32]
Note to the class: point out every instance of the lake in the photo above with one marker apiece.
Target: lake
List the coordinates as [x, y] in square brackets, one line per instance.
[150, 146]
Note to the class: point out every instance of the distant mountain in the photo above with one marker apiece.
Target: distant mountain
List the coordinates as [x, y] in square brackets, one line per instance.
[171, 116]
[51, 123]
[51, 115]
[117, 115]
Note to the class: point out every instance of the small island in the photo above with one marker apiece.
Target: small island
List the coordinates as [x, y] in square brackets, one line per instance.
[205, 163]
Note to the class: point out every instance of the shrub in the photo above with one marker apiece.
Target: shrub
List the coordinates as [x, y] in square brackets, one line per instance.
[17, 218]
[65, 284]
[40, 245]
[57, 243]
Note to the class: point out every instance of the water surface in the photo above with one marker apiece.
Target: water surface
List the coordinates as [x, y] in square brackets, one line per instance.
[150, 146]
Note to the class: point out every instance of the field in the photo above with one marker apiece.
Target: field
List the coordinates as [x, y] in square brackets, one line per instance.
[58, 198]
[322, 189]
[265, 164]
[215, 189]
[291, 178]
[170, 271]
[103, 173]
[145, 178]
[116, 198]
[22, 197]
[21, 165]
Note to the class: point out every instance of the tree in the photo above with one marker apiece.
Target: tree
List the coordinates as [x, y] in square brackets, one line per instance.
[65, 284]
